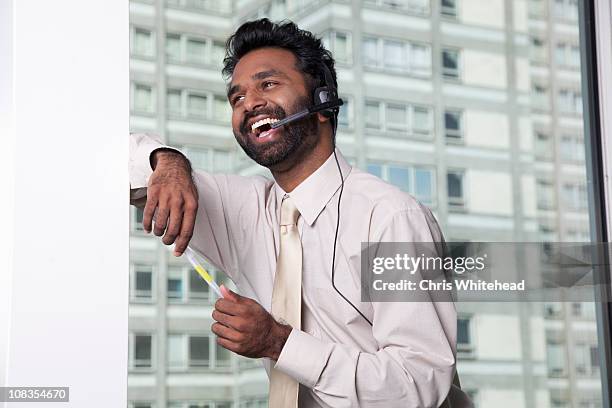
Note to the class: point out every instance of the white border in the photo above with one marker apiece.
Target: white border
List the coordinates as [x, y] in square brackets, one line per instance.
[69, 271]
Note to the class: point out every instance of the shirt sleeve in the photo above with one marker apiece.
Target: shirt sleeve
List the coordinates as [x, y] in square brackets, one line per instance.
[415, 362]
[217, 214]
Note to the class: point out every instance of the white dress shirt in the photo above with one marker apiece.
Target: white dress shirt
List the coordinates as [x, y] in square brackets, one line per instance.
[406, 359]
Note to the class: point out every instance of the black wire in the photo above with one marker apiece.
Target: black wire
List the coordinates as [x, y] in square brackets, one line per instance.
[333, 269]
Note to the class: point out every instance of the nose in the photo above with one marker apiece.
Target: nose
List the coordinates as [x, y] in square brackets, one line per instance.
[253, 101]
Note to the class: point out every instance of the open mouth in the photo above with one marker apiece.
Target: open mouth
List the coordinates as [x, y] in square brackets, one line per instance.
[262, 127]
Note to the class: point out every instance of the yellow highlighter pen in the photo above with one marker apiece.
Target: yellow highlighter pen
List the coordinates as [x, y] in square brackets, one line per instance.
[192, 257]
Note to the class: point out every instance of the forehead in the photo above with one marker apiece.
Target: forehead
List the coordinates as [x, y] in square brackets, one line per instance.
[265, 59]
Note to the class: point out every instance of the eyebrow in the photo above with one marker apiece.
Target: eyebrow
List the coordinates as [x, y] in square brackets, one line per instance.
[232, 89]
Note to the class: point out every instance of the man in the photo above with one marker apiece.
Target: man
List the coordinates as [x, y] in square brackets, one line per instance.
[276, 239]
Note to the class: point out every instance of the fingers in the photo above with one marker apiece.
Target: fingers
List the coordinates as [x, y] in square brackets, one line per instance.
[187, 226]
[229, 294]
[228, 344]
[149, 210]
[175, 219]
[229, 307]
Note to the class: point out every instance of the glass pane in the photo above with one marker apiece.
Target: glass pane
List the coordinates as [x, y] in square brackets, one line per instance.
[223, 356]
[221, 109]
[397, 117]
[173, 102]
[143, 43]
[375, 169]
[196, 51]
[176, 351]
[143, 283]
[197, 105]
[143, 98]
[218, 53]
[173, 47]
[394, 54]
[399, 177]
[198, 288]
[142, 351]
[492, 140]
[423, 185]
[372, 115]
[199, 349]
[421, 122]
[343, 115]
[369, 52]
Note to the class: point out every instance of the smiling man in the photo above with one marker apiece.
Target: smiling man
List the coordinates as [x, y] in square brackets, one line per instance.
[292, 245]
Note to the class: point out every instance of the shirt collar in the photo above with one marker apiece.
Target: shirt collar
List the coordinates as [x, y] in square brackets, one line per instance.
[312, 195]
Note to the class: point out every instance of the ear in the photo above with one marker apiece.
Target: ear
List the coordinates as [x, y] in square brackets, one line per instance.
[322, 118]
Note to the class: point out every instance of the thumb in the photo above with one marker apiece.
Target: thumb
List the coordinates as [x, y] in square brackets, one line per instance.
[229, 294]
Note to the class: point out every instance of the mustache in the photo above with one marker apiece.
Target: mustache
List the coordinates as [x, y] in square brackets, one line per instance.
[277, 112]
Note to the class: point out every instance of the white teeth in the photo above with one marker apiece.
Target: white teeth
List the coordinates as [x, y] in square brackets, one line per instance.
[261, 122]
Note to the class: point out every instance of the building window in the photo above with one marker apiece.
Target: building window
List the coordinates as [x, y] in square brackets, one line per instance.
[545, 193]
[191, 49]
[464, 335]
[567, 55]
[566, 9]
[176, 351]
[570, 101]
[340, 44]
[555, 354]
[140, 405]
[137, 216]
[539, 97]
[418, 181]
[142, 282]
[222, 356]
[418, 7]
[455, 189]
[199, 351]
[142, 43]
[195, 51]
[175, 284]
[198, 288]
[575, 196]
[538, 50]
[344, 114]
[197, 105]
[142, 351]
[143, 100]
[448, 8]
[450, 64]
[572, 148]
[397, 56]
[453, 126]
[543, 146]
[416, 120]
[219, 6]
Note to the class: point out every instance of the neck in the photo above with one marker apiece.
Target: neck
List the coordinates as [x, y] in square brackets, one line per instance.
[301, 167]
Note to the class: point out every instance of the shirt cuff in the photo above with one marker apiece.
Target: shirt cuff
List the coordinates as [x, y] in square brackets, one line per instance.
[303, 357]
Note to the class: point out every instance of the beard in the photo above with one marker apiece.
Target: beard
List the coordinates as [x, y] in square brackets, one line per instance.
[295, 135]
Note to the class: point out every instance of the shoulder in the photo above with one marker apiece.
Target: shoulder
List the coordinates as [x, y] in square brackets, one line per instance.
[388, 209]
[377, 193]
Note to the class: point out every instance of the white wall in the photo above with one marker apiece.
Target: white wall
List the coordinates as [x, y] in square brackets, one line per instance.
[488, 13]
[487, 129]
[489, 192]
[69, 270]
[497, 337]
[484, 69]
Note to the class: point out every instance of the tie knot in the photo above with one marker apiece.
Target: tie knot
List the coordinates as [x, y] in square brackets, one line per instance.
[289, 212]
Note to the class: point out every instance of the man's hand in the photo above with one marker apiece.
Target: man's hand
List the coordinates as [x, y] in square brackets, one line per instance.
[245, 327]
[173, 198]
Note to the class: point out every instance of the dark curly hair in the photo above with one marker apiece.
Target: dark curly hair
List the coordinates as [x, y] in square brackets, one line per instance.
[308, 49]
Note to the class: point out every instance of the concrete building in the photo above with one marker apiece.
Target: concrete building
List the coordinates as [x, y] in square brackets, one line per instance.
[473, 107]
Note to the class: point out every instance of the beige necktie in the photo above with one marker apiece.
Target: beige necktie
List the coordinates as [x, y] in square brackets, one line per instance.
[287, 298]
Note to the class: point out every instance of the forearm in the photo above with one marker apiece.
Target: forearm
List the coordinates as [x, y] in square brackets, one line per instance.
[343, 376]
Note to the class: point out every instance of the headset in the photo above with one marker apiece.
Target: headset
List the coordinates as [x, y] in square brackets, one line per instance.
[327, 102]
